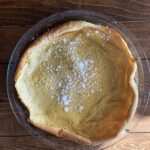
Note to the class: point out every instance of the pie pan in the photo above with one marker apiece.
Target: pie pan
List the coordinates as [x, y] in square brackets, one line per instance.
[48, 23]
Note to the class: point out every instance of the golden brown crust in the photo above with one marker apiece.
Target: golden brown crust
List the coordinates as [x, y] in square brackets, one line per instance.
[49, 36]
[66, 135]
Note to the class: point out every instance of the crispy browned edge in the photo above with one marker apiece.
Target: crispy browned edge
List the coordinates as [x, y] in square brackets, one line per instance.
[50, 35]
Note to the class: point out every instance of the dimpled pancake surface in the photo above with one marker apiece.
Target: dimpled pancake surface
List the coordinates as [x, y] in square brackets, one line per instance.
[77, 82]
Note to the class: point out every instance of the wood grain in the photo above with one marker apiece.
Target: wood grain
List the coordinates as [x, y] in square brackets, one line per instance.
[14, 12]
[133, 142]
[143, 125]
[10, 35]
[121, 9]
[9, 125]
[141, 31]
[3, 94]
[8, 39]
[21, 143]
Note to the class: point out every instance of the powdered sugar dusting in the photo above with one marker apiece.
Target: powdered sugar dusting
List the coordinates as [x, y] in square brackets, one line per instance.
[81, 65]
[65, 100]
[59, 68]
[78, 81]
[66, 109]
[105, 36]
[80, 108]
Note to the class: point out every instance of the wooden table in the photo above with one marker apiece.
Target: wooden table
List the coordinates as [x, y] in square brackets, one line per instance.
[16, 16]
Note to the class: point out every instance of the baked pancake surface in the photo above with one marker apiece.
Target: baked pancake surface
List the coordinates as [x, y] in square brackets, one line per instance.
[77, 82]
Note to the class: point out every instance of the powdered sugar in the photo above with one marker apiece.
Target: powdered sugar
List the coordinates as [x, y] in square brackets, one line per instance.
[81, 65]
[83, 85]
[104, 36]
[59, 68]
[66, 109]
[49, 68]
[65, 41]
[65, 100]
[77, 81]
[80, 108]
